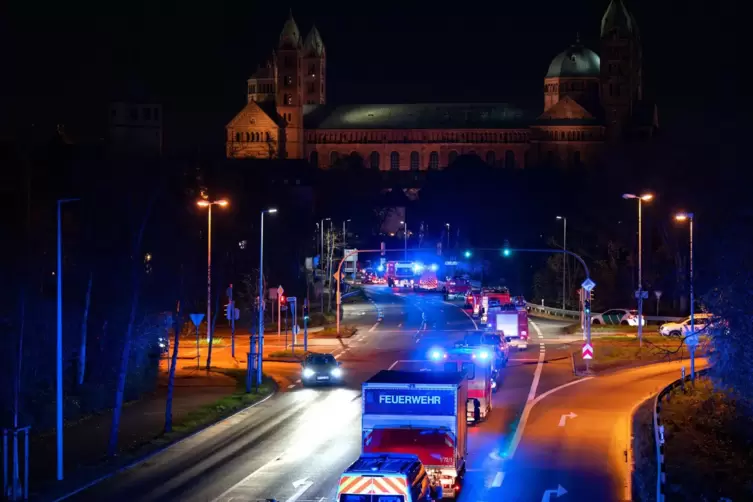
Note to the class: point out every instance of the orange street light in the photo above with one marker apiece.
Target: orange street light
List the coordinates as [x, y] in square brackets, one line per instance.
[208, 204]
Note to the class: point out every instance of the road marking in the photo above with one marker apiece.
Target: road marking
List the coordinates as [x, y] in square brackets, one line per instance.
[560, 491]
[563, 418]
[375, 326]
[400, 325]
[291, 386]
[298, 381]
[500, 476]
[302, 485]
[475, 326]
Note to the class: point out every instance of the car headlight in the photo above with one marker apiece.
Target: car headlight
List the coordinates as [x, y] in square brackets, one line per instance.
[337, 373]
[308, 372]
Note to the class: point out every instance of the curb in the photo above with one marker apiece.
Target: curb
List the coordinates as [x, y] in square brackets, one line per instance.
[661, 472]
[151, 454]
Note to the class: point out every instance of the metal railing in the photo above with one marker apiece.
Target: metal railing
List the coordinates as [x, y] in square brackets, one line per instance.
[661, 475]
[574, 314]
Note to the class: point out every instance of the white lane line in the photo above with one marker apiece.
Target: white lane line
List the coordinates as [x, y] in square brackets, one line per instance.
[297, 381]
[291, 386]
[498, 478]
[375, 326]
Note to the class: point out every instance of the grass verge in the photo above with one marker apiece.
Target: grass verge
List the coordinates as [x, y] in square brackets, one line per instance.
[611, 352]
[331, 332]
[222, 408]
[644, 453]
[574, 328]
[709, 445]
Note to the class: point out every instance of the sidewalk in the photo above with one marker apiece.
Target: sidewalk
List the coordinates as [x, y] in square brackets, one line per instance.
[85, 441]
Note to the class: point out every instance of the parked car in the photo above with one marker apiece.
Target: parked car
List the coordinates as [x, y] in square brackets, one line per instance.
[626, 317]
[676, 328]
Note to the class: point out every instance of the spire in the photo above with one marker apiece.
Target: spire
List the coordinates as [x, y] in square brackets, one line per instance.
[313, 46]
[617, 17]
[290, 38]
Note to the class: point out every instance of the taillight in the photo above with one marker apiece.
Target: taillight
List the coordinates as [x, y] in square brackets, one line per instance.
[524, 334]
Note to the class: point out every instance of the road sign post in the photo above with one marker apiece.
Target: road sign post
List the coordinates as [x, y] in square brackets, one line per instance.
[231, 317]
[196, 320]
[280, 292]
[305, 324]
[293, 302]
[588, 285]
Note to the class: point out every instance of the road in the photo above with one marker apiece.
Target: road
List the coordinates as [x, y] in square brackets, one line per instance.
[294, 446]
[578, 438]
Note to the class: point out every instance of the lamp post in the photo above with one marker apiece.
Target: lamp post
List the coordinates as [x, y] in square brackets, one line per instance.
[261, 295]
[344, 230]
[690, 218]
[405, 233]
[207, 204]
[321, 258]
[448, 235]
[564, 259]
[59, 346]
[641, 199]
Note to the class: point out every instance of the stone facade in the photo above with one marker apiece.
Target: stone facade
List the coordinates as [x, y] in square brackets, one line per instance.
[587, 105]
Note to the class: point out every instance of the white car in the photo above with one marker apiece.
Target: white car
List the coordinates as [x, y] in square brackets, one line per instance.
[618, 316]
[676, 328]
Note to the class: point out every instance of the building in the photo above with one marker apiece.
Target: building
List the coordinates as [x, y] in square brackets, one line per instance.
[135, 128]
[588, 104]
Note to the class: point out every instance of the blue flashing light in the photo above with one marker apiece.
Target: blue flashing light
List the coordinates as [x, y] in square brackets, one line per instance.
[418, 267]
[434, 267]
[468, 253]
[506, 252]
[483, 355]
[437, 354]
[380, 268]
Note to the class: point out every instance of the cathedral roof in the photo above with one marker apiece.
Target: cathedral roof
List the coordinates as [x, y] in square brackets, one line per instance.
[576, 61]
[290, 38]
[415, 116]
[617, 17]
[313, 46]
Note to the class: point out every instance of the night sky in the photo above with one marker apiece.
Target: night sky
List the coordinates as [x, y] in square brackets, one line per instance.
[70, 58]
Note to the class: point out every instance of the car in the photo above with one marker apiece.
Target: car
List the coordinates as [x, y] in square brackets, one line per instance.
[318, 369]
[676, 328]
[626, 317]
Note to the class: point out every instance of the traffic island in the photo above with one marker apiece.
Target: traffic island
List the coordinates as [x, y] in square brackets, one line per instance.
[619, 352]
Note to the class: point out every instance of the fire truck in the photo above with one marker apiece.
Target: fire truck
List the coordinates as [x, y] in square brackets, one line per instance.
[510, 321]
[478, 365]
[486, 298]
[400, 273]
[456, 287]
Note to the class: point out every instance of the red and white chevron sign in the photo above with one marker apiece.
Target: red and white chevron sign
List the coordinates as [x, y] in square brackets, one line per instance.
[587, 352]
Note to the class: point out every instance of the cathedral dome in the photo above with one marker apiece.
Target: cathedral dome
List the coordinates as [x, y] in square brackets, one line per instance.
[577, 61]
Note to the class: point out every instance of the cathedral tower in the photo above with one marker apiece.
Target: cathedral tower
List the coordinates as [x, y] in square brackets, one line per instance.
[290, 89]
[621, 68]
[314, 67]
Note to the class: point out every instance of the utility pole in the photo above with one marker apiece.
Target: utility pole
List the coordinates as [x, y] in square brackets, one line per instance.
[564, 260]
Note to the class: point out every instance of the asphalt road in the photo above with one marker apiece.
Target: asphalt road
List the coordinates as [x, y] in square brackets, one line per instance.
[577, 438]
[294, 446]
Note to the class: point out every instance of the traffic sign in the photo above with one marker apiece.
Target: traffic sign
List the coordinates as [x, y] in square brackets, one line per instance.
[280, 291]
[691, 339]
[588, 284]
[336, 276]
[587, 352]
[196, 319]
[639, 293]
[292, 299]
[658, 294]
[296, 329]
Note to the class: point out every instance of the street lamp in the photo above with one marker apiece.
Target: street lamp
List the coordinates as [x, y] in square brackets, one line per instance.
[59, 346]
[344, 251]
[321, 257]
[641, 199]
[207, 204]
[564, 258]
[405, 233]
[690, 218]
[261, 294]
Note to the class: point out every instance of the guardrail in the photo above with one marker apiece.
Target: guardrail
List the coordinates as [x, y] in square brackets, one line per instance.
[574, 314]
[661, 475]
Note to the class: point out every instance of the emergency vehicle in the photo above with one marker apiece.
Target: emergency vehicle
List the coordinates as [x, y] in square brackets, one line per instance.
[400, 273]
[428, 277]
[421, 413]
[509, 321]
[456, 287]
[481, 373]
[385, 477]
[486, 298]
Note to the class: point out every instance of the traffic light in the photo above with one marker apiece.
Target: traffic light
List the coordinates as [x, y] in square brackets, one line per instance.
[305, 312]
[587, 303]
[468, 253]
[506, 251]
[283, 300]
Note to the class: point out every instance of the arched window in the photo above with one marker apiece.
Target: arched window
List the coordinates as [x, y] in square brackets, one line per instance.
[509, 159]
[374, 160]
[452, 157]
[490, 158]
[414, 161]
[288, 100]
[395, 161]
[248, 136]
[433, 160]
[314, 159]
[269, 137]
[238, 137]
[333, 158]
